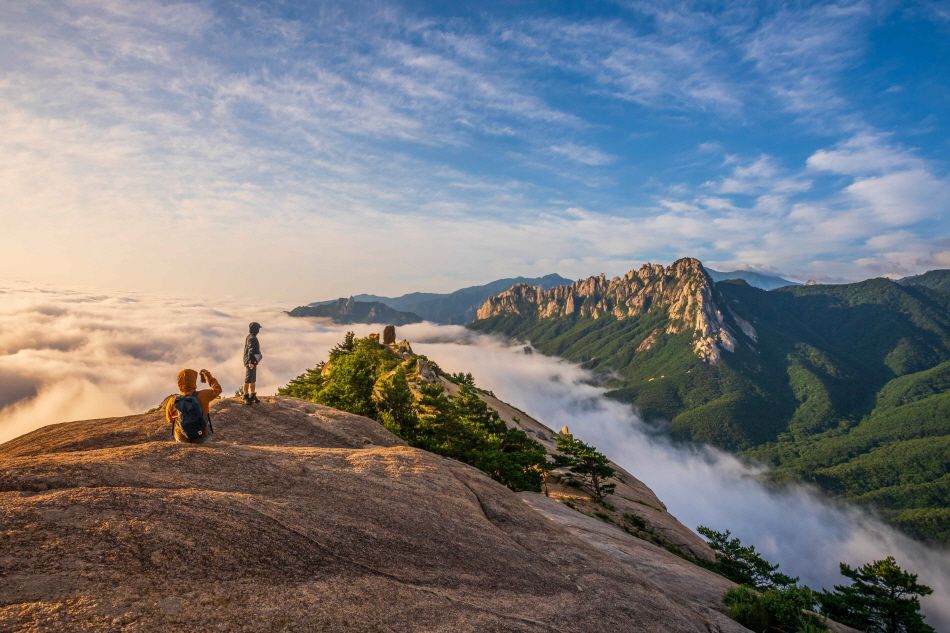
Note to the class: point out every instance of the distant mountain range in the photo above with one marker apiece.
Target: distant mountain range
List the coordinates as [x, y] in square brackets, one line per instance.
[456, 308]
[847, 386]
[764, 281]
[937, 280]
[345, 310]
[459, 307]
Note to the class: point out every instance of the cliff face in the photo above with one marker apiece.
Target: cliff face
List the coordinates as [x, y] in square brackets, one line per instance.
[301, 517]
[683, 291]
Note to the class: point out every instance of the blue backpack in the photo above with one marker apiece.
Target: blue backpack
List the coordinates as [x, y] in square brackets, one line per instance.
[191, 417]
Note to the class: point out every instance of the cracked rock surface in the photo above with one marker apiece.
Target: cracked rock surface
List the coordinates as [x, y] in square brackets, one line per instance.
[298, 517]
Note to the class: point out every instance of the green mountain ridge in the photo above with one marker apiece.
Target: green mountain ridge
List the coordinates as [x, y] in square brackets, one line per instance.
[841, 385]
[454, 308]
[765, 281]
[348, 310]
[937, 280]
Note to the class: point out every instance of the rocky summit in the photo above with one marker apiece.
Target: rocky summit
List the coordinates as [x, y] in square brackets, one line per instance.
[683, 292]
[298, 517]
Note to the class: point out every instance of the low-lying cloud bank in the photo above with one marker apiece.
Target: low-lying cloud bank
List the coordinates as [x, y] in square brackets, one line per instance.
[72, 355]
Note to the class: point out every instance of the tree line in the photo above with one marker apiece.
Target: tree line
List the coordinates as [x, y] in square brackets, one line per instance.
[880, 598]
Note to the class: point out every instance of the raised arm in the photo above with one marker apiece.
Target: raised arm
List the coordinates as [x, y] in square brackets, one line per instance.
[213, 384]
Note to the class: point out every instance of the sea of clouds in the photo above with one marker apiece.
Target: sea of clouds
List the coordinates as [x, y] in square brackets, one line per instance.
[68, 355]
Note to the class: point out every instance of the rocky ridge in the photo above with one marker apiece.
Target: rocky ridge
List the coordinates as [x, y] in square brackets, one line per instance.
[683, 290]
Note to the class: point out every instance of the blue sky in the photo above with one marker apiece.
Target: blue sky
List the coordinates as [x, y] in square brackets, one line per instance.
[306, 150]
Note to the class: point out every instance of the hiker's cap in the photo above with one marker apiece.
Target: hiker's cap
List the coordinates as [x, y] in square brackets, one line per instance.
[254, 327]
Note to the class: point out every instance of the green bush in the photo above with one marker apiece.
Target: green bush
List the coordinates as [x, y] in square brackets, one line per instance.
[776, 610]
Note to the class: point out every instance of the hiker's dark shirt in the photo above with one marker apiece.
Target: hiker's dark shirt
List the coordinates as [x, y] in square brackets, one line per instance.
[252, 348]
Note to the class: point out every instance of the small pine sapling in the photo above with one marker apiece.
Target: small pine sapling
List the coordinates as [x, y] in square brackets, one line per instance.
[586, 464]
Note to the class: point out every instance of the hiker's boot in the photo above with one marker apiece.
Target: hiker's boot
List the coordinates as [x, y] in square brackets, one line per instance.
[247, 398]
[254, 398]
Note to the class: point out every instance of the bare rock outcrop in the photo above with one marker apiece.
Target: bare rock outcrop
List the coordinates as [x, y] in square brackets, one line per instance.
[300, 517]
[683, 290]
[631, 498]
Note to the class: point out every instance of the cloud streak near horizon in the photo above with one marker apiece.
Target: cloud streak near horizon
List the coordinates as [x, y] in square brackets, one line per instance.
[337, 147]
[67, 355]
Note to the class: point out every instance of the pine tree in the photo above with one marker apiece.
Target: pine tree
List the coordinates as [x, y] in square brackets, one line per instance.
[460, 378]
[306, 386]
[586, 463]
[343, 348]
[743, 564]
[882, 598]
[396, 405]
[349, 386]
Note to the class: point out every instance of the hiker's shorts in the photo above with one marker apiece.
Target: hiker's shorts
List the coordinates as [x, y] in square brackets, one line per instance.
[250, 374]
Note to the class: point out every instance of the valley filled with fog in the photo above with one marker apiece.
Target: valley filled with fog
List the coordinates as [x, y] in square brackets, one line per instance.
[67, 355]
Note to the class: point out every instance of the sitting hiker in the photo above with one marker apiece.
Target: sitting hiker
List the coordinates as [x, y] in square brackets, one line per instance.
[252, 356]
[188, 410]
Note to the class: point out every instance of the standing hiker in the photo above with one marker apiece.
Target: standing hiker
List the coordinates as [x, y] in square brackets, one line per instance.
[252, 356]
[189, 410]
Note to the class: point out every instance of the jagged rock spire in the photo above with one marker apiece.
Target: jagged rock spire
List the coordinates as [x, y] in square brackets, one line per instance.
[684, 290]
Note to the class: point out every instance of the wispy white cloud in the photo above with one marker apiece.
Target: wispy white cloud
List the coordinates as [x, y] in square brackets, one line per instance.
[355, 139]
[863, 153]
[709, 147]
[800, 53]
[583, 154]
[893, 184]
[769, 215]
[903, 197]
[760, 176]
[671, 67]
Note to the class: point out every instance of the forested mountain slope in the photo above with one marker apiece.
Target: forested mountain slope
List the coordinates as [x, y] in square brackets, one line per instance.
[775, 374]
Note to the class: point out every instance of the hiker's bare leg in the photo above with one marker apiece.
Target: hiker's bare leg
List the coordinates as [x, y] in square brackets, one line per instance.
[251, 386]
